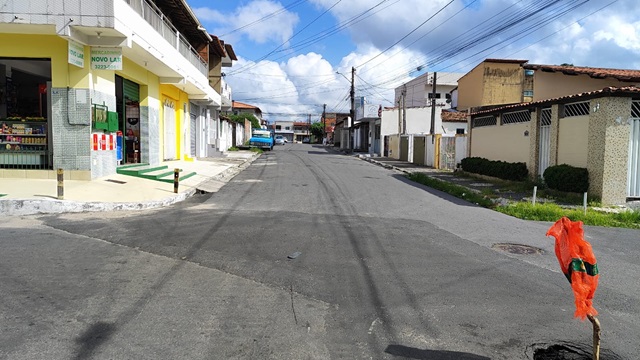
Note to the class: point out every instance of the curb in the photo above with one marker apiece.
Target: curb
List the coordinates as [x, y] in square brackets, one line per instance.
[41, 207]
[21, 207]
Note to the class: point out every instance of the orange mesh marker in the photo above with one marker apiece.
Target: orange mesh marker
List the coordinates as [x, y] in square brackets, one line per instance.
[578, 264]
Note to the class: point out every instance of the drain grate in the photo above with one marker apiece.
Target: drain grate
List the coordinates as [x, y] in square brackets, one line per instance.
[518, 249]
[116, 181]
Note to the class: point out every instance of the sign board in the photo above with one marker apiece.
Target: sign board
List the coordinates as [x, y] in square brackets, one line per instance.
[106, 58]
[76, 54]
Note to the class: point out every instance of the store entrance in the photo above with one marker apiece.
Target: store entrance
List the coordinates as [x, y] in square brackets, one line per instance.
[128, 109]
[25, 113]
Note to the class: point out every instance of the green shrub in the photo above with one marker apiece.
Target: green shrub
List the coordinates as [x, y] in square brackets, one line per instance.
[500, 169]
[567, 178]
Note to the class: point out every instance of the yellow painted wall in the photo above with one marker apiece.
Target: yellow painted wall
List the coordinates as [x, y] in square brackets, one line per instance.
[491, 84]
[180, 98]
[54, 47]
[470, 88]
[505, 142]
[573, 136]
[502, 84]
[552, 85]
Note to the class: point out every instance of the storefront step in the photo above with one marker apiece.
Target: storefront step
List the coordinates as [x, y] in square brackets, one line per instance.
[137, 169]
[157, 172]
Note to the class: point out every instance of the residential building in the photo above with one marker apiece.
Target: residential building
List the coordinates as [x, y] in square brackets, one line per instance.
[414, 115]
[419, 91]
[494, 82]
[598, 130]
[115, 82]
[301, 130]
[581, 116]
[284, 128]
[242, 108]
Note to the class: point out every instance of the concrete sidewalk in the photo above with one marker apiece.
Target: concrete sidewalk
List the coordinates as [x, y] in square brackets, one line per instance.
[24, 196]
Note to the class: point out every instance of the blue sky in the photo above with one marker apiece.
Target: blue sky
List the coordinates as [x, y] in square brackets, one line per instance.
[291, 50]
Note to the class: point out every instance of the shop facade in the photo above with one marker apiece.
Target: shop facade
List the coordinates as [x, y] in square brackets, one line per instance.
[88, 97]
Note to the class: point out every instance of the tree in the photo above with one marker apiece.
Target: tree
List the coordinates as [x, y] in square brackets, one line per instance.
[316, 130]
[255, 123]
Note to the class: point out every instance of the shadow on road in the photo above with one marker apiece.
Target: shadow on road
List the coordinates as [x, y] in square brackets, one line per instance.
[413, 353]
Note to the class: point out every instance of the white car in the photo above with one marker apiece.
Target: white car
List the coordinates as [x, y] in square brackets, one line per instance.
[280, 140]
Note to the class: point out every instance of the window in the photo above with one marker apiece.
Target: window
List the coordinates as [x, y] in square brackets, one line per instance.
[528, 72]
[527, 93]
[278, 127]
[287, 127]
[447, 96]
[438, 95]
[460, 131]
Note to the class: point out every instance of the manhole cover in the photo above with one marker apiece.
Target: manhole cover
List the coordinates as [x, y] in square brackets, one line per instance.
[518, 249]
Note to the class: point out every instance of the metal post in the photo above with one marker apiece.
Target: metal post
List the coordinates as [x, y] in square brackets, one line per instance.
[60, 176]
[404, 109]
[324, 124]
[176, 179]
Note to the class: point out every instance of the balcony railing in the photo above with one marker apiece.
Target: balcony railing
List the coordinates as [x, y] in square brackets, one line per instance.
[163, 26]
[225, 89]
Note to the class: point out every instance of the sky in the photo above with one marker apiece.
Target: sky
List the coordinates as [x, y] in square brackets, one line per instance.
[294, 56]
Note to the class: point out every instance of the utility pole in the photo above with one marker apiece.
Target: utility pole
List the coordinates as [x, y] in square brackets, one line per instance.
[433, 108]
[352, 93]
[404, 109]
[324, 123]
[309, 127]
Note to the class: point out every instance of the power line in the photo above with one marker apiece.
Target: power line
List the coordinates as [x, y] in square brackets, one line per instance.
[410, 32]
[268, 16]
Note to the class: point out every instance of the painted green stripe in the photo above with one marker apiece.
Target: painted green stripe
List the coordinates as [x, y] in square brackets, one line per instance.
[581, 266]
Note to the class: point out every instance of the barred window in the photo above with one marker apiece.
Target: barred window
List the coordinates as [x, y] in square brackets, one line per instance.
[576, 109]
[635, 109]
[516, 117]
[485, 121]
[545, 117]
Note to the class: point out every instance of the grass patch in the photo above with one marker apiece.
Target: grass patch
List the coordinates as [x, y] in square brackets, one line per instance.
[452, 189]
[552, 212]
[541, 211]
[257, 150]
[233, 148]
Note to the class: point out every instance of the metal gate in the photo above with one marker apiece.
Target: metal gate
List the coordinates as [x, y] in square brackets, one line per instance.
[544, 146]
[633, 177]
[447, 153]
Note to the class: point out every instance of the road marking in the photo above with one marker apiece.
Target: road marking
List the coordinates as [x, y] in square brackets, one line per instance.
[372, 324]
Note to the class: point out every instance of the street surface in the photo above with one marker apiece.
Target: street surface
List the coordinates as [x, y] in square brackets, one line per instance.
[387, 269]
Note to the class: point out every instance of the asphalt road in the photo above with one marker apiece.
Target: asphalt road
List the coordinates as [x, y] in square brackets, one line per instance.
[386, 269]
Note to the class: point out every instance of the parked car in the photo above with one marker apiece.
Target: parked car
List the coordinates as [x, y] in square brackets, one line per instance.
[262, 139]
[280, 140]
[305, 140]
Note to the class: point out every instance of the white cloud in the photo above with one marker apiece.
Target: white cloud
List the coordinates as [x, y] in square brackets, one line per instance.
[277, 25]
[607, 38]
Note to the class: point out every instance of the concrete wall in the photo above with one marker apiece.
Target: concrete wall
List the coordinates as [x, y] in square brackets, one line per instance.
[549, 85]
[572, 141]
[504, 142]
[608, 148]
[491, 84]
